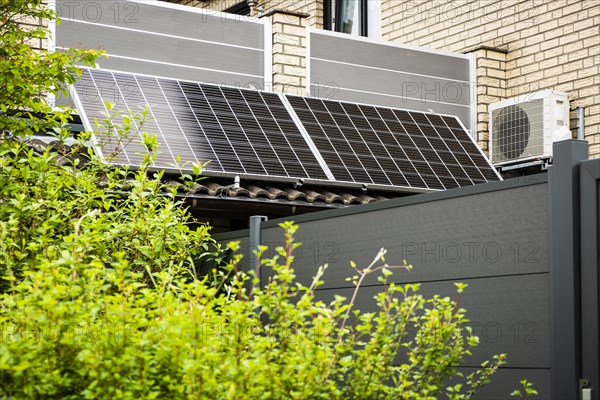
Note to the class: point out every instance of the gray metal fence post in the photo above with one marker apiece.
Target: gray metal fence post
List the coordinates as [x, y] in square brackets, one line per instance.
[565, 342]
[255, 241]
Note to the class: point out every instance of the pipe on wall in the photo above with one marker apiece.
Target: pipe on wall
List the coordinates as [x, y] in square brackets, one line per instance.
[580, 123]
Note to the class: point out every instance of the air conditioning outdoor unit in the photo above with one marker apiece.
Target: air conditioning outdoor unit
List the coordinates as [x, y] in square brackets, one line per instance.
[523, 128]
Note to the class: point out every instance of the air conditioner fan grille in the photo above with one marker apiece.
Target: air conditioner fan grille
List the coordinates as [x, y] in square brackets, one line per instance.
[511, 131]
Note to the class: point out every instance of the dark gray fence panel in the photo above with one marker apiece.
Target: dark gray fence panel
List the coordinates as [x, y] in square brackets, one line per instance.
[493, 237]
[509, 314]
[356, 69]
[590, 279]
[163, 39]
[494, 233]
[243, 237]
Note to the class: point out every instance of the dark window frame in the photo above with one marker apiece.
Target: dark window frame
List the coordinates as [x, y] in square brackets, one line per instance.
[329, 14]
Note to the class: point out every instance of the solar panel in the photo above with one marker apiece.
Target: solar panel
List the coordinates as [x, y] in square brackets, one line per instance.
[384, 146]
[238, 131]
[264, 134]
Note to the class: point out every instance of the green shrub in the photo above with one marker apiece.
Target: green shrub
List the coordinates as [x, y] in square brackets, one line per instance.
[79, 326]
[95, 213]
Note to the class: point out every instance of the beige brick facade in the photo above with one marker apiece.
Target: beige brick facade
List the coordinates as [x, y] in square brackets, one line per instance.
[549, 44]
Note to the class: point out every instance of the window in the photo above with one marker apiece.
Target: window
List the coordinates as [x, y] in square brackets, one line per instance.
[355, 17]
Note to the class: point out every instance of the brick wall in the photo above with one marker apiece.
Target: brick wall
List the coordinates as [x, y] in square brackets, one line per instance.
[314, 9]
[491, 87]
[32, 23]
[289, 52]
[549, 44]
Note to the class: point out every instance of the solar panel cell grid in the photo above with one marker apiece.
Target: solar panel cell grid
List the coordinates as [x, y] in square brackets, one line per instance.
[112, 146]
[401, 147]
[237, 131]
